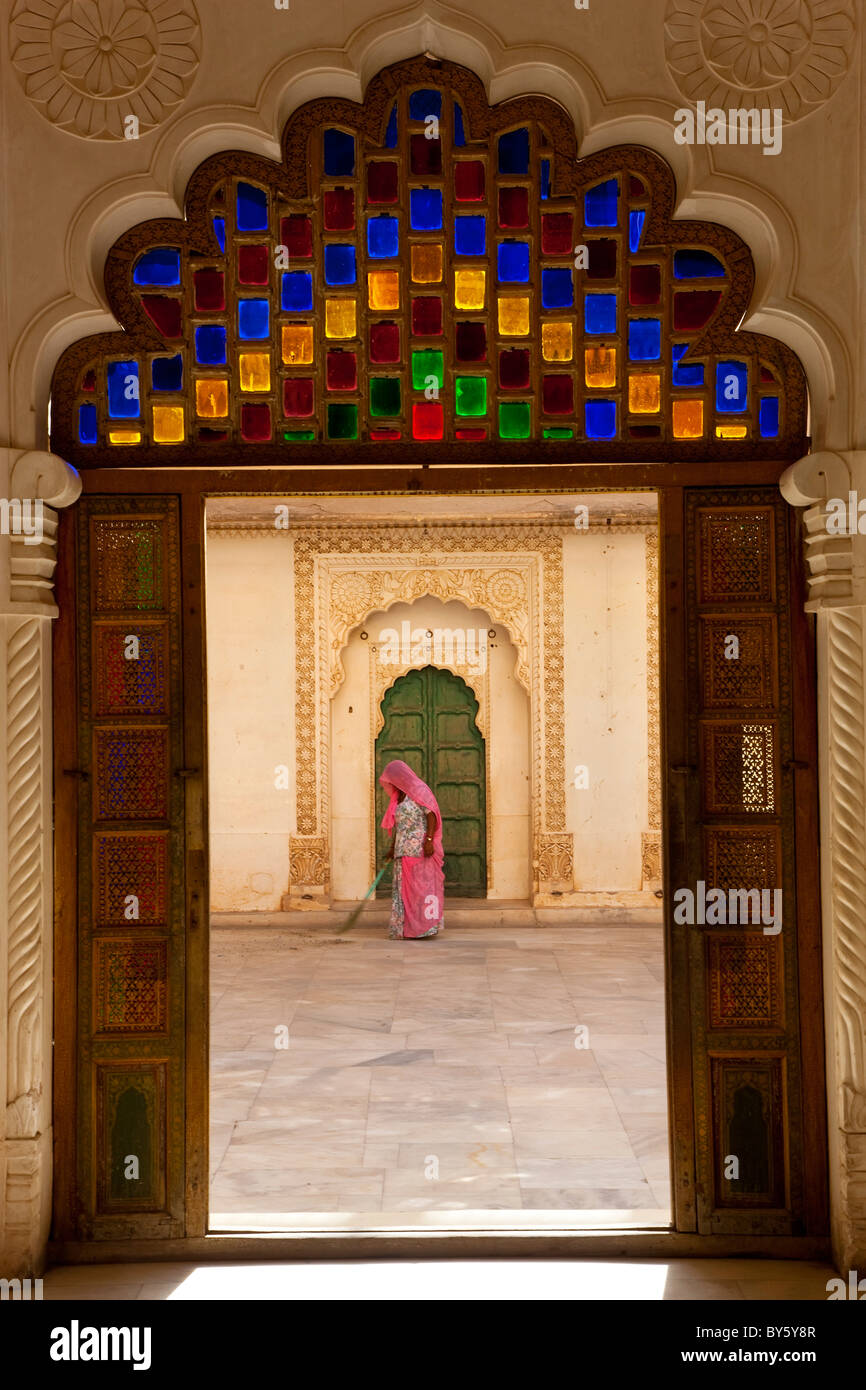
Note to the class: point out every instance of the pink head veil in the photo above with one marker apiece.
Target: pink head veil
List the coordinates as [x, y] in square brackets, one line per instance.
[401, 776]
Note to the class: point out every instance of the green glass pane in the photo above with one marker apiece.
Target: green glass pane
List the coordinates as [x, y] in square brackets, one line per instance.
[429, 362]
[384, 395]
[514, 420]
[299, 434]
[471, 395]
[557, 432]
[342, 421]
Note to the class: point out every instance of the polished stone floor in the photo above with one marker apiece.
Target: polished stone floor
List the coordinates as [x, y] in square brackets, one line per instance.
[438, 1075]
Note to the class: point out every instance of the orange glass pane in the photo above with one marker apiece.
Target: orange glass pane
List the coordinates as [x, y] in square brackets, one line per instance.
[557, 341]
[514, 317]
[124, 436]
[340, 318]
[644, 393]
[688, 417]
[298, 344]
[383, 287]
[255, 371]
[731, 431]
[168, 427]
[211, 398]
[427, 264]
[600, 366]
[470, 289]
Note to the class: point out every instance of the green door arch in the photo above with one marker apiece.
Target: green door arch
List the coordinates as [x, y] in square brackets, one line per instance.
[430, 723]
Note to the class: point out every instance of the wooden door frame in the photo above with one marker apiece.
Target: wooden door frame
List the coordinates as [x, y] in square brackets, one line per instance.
[679, 799]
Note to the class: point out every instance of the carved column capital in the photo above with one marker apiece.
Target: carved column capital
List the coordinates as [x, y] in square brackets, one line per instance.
[37, 484]
[831, 484]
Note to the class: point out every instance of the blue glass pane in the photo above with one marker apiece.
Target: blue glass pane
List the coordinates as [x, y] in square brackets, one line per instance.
[545, 179]
[514, 152]
[252, 211]
[696, 265]
[87, 424]
[297, 291]
[691, 373]
[210, 344]
[424, 103]
[219, 228]
[768, 417]
[253, 318]
[425, 209]
[123, 390]
[599, 313]
[340, 265]
[161, 266]
[459, 131]
[732, 386]
[600, 419]
[600, 205]
[557, 288]
[339, 153]
[167, 373]
[635, 229]
[512, 262]
[391, 132]
[645, 340]
[383, 237]
[470, 235]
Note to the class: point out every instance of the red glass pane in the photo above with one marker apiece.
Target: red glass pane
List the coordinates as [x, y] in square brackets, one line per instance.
[88, 382]
[253, 265]
[427, 317]
[471, 342]
[471, 434]
[693, 308]
[210, 290]
[514, 207]
[556, 233]
[426, 155]
[469, 181]
[602, 259]
[428, 420]
[296, 234]
[557, 394]
[636, 187]
[645, 284]
[209, 436]
[297, 396]
[382, 181]
[767, 378]
[256, 422]
[385, 434]
[342, 371]
[384, 342]
[338, 210]
[514, 369]
[166, 313]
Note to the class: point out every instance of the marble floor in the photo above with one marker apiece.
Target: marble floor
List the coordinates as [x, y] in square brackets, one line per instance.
[353, 1074]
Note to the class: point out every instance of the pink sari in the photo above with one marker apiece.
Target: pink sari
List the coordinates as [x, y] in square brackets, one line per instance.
[423, 878]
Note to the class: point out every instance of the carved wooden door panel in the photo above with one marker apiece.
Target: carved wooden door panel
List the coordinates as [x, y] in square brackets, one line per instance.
[746, 779]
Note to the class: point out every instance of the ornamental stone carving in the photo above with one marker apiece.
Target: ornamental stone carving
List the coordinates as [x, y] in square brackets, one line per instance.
[785, 54]
[87, 65]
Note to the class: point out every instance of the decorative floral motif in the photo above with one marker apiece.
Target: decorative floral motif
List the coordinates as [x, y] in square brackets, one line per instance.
[87, 65]
[789, 54]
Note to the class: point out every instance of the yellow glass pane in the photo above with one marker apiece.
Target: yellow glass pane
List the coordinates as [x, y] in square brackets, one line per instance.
[557, 341]
[298, 344]
[731, 431]
[211, 397]
[426, 264]
[383, 289]
[514, 317]
[168, 424]
[340, 318]
[644, 393]
[470, 289]
[124, 436]
[688, 419]
[255, 371]
[600, 366]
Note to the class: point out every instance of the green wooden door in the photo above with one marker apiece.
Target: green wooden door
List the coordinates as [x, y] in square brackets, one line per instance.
[430, 724]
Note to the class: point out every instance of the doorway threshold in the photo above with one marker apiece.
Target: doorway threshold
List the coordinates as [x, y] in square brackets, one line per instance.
[406, 1222]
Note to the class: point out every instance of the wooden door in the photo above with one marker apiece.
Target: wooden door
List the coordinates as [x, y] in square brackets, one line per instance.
[430, 724]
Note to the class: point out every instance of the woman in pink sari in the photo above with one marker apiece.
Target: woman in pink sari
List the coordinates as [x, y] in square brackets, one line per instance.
[415, 823]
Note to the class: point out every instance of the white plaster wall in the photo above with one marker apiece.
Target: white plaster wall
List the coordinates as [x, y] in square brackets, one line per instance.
[251, 714]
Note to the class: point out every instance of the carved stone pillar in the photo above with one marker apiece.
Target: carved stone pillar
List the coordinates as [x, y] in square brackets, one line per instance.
[32, 485]
[837, 595]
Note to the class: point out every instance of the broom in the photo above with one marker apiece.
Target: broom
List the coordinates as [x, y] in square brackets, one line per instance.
[356, 911]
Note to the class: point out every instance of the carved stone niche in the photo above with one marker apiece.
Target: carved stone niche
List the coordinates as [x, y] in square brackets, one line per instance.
[309, 874]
